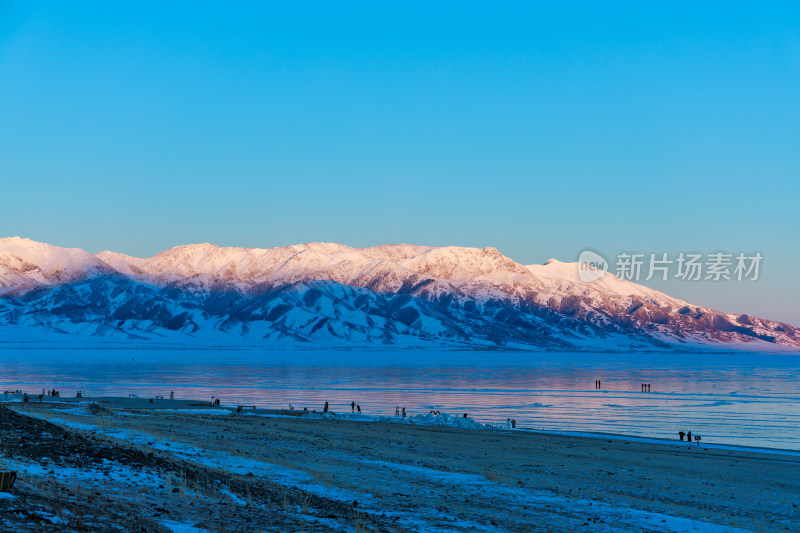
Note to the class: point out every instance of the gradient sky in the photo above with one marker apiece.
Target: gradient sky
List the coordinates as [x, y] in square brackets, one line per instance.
[538, 130]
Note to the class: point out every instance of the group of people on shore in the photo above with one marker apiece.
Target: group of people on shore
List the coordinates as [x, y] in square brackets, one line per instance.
[645, 387]
[511, 423]
[688, 436]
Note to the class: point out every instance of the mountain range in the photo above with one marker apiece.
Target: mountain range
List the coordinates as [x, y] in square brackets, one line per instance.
[333, 295]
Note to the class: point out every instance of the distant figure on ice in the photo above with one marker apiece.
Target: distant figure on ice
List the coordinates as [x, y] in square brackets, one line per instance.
[681, 434]
[358, 407]
[648, 387]
[352, 407]
[404, 412]
[513, 423]
[465, 415]
[397, 411]
[325, 409]
[508, 422]
[689, 436]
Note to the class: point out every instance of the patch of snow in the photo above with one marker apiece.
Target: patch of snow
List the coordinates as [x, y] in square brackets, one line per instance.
[178, 527]
[428, 419]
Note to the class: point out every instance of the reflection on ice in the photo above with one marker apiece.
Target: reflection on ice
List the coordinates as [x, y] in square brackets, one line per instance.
[743, 399]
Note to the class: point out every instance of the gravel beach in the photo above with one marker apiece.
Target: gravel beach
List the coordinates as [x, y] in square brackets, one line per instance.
[129, 465]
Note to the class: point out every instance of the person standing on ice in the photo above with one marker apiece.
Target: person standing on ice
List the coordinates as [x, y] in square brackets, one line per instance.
[359, 409]
[689, 436]
[352, 407]
[325, 409]
[397, 411]
[681, 434]
[404, 412]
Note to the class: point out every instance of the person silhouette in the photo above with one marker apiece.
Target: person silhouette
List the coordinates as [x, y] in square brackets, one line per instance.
[681, 434]
[689, 436]
[359, 409]
[325, 409]
[352, 407]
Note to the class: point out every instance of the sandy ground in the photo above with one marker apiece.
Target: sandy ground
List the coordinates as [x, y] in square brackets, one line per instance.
[135, 466]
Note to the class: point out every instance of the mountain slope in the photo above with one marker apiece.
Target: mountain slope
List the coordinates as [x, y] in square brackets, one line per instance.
[26, 264]
[330, 293]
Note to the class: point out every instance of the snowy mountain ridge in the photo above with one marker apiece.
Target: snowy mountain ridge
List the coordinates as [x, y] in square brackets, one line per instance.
[327, 292]
[27, 264]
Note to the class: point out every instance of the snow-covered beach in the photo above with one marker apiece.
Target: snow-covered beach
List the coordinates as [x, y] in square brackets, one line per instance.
[123, 465]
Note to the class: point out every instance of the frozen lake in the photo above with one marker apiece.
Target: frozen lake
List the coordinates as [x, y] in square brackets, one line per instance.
[744, 399]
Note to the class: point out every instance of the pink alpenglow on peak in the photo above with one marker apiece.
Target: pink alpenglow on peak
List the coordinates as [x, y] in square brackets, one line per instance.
[328, 293]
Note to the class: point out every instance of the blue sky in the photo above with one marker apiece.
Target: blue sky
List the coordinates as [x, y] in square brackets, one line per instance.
[540, 130]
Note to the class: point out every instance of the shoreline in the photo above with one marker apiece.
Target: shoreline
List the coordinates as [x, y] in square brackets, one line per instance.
[14, 337]
[133, 402]
[443, 478]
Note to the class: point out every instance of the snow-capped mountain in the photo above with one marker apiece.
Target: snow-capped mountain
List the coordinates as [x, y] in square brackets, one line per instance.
[330, 293]
[26, 264]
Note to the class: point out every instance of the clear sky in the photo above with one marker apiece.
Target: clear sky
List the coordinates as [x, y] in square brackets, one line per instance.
[137, 126]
